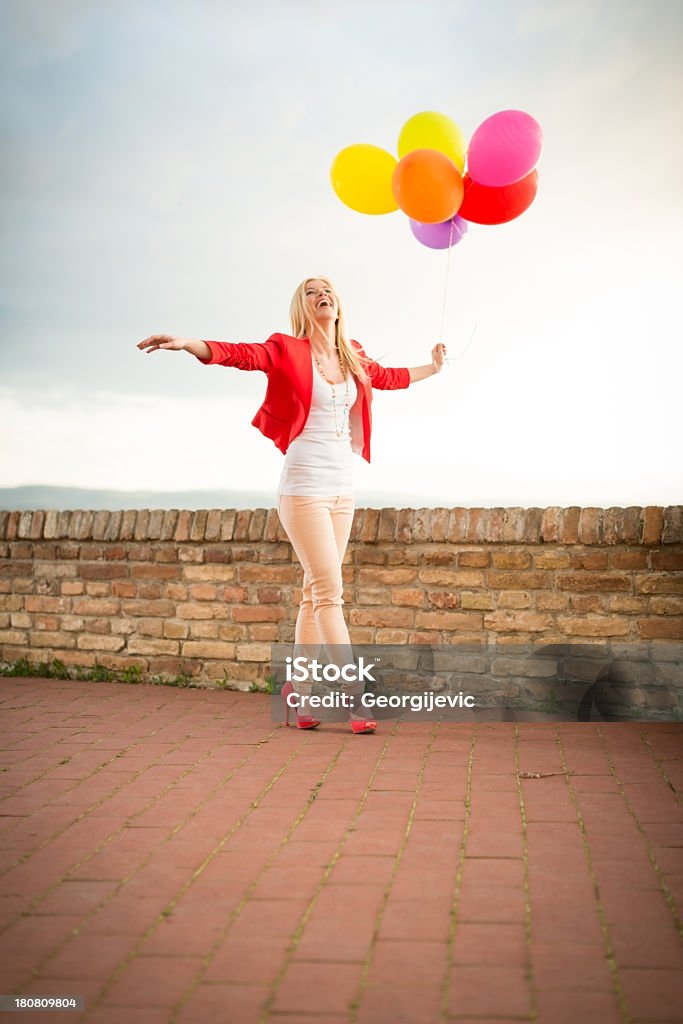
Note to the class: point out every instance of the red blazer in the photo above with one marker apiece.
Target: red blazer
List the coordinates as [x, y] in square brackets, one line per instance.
[287, 363]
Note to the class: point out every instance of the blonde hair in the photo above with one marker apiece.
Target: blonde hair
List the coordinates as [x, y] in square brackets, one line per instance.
[303, 325]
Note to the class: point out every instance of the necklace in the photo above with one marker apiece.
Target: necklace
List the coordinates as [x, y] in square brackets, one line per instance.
[345, 410]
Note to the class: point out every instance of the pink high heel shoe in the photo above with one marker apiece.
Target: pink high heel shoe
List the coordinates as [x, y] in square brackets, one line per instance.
[359, 726]
[302, 721]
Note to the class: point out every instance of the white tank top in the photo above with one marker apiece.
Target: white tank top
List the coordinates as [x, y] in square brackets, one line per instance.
[318, 462]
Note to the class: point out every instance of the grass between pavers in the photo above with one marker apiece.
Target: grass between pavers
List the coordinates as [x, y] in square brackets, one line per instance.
[56, 669]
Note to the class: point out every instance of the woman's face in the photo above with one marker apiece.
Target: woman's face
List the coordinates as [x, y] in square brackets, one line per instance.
[322, 302]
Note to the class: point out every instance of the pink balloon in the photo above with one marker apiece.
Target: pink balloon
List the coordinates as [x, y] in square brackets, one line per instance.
[504, 148]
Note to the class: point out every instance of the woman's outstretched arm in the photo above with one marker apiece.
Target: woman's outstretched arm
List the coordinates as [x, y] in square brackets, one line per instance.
[192, 345]
[388, 378]
[243, 355]
[420, 372]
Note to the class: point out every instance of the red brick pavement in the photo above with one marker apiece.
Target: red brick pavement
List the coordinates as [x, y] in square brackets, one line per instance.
[174, 854]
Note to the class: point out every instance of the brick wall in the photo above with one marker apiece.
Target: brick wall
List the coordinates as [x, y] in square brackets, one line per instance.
[204, 593]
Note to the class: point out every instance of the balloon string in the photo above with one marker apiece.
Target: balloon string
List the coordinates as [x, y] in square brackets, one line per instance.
[461, 354]
[445, 289]
[445, 295]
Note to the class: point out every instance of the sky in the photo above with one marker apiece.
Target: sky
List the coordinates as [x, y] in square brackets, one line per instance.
[166, 169]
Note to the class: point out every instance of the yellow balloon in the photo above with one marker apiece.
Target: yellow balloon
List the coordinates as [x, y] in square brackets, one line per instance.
[430, 130]
[361, 177]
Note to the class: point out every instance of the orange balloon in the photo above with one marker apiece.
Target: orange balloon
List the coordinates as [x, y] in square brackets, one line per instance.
[427, 186]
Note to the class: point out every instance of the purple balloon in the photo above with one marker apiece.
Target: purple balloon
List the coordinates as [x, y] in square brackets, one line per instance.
[438, 236]
[504, 148]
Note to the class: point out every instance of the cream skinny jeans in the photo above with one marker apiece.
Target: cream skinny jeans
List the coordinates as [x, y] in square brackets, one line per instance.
[319, 529]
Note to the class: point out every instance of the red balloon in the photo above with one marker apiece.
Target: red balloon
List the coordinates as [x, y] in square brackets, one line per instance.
[484, 204]
[427, 186]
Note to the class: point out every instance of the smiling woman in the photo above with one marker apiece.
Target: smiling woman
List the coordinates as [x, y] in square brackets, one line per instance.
[317, 411]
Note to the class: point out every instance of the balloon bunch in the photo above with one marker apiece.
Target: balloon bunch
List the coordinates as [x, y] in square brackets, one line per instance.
[429, 182]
